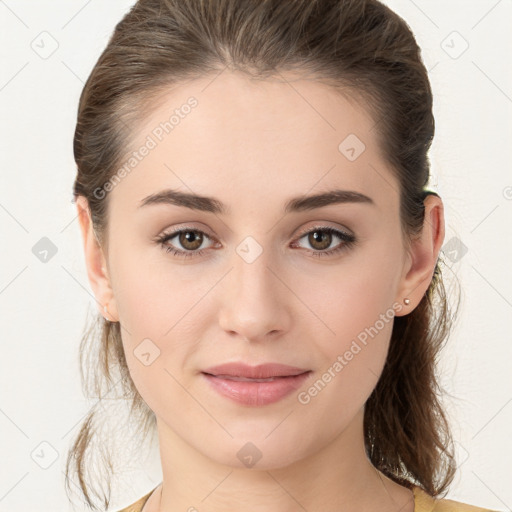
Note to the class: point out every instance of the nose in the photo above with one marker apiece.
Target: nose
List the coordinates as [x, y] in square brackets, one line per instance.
[255, 300]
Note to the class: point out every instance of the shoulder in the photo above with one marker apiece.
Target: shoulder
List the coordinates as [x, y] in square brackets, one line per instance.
[137, 506]
[423, 502]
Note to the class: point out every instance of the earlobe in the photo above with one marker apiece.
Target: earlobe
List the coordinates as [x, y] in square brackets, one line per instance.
[423, 255]
[96, 263]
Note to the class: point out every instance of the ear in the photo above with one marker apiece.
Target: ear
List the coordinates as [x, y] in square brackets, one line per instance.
[422, 256]
[96, 263]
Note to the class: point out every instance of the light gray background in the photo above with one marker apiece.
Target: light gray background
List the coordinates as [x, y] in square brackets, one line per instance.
[44, 304]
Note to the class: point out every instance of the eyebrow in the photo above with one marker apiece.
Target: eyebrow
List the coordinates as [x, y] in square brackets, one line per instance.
[212, 205]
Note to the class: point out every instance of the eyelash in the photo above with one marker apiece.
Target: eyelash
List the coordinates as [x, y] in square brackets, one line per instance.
[348, 241]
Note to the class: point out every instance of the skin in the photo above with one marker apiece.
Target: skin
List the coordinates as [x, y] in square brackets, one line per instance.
[253, 145]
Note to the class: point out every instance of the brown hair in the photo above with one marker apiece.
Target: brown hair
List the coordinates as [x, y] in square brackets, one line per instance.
[359, 47]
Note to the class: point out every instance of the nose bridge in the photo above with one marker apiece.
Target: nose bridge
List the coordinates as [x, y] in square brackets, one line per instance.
[252, 304]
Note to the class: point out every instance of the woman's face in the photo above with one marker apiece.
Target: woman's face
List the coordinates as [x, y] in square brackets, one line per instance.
[258, 284]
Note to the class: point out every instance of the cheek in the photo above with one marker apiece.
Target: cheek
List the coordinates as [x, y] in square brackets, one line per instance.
[151, 296]
[352, 297]
[351, 357]
[152, 313]
[157, 361]
[354, 314]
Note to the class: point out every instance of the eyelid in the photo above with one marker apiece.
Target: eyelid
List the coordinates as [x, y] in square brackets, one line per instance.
[178, 229]
[323, 226]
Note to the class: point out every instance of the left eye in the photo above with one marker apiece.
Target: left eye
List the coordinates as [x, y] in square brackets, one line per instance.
[319, 238]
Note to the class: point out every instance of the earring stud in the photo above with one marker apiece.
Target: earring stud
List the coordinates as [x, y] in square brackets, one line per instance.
[407, 301]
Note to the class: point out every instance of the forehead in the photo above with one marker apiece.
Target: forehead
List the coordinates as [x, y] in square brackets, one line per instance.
[226, 135]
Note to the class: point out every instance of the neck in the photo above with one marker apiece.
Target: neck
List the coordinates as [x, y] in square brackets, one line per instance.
[338, 477]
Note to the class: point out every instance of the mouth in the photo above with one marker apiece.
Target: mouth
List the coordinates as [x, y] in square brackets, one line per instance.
[256, 390]
[239, 370]
[248, 379]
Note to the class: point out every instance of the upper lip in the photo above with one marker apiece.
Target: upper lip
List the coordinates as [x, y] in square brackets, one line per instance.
[262, 371]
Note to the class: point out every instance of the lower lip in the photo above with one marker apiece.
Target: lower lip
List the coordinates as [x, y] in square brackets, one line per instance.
[256, 393]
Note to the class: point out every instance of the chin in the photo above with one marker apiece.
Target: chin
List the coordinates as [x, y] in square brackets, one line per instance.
[258, 450]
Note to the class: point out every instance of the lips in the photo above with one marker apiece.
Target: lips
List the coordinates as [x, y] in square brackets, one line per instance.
[242, 371]
[246, 379]
[255, 385]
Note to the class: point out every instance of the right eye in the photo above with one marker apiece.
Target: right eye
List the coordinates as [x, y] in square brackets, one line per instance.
[190, 239]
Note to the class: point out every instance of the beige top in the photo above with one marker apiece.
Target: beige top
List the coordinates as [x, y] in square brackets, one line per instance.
[423, 502]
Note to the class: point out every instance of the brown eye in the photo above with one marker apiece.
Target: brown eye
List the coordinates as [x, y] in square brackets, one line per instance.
[190, 240]
[320, 239]
[185, 243]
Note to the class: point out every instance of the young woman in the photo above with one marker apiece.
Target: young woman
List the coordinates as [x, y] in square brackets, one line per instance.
[261, 243]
